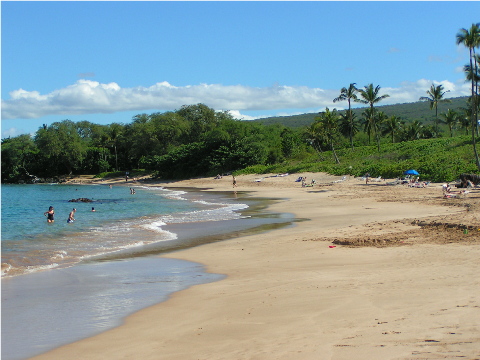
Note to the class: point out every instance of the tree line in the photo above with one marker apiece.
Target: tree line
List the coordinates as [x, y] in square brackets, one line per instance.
[196, 140]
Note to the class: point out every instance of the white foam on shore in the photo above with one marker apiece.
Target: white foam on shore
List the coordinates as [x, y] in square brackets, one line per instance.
[157, 227]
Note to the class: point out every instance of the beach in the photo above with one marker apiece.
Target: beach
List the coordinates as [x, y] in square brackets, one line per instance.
[369, 271]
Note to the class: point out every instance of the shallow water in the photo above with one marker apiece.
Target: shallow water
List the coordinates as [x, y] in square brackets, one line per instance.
[120, 221]
[47, 309]
[116, 269]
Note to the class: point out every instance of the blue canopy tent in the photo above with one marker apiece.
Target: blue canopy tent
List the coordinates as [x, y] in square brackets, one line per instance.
[411, 172]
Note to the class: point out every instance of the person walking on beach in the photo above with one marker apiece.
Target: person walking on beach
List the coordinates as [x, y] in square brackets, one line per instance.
[234, 182]
[71, 217]
[49, 214]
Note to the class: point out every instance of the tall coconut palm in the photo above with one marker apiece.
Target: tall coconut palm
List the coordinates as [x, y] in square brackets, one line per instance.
[451, 118]
[368, 119]
[349, 95]
[435, 96]
[380, 119]
[348, 125]
[369, 95]
[327, 125]
[464, 119]
[392, 126]
[474, 76]
[471, 40]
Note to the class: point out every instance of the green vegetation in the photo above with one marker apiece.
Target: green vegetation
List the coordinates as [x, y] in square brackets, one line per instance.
[205, 143]
[198, 141]
[437, 160]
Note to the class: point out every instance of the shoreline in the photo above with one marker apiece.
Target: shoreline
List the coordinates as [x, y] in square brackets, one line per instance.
[289, 294]
[123, 273]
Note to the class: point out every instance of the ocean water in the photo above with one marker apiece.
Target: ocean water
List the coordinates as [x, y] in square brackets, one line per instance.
[120, 221]
[63, 282]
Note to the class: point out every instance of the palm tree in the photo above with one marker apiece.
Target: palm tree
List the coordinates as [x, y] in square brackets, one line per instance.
[368, 120]
[435, 96]
[380, 120]
[349, 94]
[392, 126]
[369, 95]
[348, 125]
[464, 119]
[471, 40]
[414, 130]
[327, 126]
[451, 119]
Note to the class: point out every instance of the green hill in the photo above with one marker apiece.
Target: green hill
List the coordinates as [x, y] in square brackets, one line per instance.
[409, 112]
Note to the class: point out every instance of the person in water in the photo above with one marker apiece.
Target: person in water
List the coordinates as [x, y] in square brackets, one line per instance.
[71, 217]
[49, 214]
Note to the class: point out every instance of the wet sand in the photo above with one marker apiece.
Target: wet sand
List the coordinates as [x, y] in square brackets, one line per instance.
[376, 272]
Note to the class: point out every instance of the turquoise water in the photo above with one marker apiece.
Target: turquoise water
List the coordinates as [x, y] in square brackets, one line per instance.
[63, 282]
[121, 220]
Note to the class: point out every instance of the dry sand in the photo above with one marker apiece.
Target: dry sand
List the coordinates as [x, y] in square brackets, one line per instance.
[376, 272]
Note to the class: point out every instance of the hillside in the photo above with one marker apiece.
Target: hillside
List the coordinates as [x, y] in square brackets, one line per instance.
[408, 111]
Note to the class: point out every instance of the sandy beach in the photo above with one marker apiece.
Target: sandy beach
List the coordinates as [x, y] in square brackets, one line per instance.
[371, 272]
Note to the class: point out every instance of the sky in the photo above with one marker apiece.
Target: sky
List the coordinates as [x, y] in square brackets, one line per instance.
[108, 61]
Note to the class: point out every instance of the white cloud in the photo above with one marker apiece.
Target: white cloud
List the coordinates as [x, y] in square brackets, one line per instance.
[11, 132]
[92, 97]
[237, 115]
[412, 91]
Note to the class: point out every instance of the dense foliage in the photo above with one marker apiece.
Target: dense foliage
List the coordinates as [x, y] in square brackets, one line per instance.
[437, 160]
[194, 140]
[197, 141]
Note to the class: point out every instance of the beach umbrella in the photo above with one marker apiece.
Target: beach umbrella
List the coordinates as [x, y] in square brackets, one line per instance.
[411, 172]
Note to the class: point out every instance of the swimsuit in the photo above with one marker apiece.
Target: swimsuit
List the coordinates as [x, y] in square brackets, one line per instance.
[50, 216]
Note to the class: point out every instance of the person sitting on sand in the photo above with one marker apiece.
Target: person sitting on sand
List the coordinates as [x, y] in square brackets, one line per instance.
[447, 188]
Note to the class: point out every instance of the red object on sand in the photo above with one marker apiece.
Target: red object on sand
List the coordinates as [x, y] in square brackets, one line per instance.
[331, 246]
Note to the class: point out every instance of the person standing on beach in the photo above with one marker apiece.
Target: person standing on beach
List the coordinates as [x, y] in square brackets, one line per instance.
[234, 181]
[71, 217]
[49, 214]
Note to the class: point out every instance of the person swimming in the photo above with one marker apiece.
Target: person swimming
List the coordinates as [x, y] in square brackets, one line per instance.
[50, 214]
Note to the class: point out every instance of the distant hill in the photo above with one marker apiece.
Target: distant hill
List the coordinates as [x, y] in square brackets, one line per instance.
[409, 112]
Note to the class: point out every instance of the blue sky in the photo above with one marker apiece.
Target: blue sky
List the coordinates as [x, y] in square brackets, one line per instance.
[107, 61]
